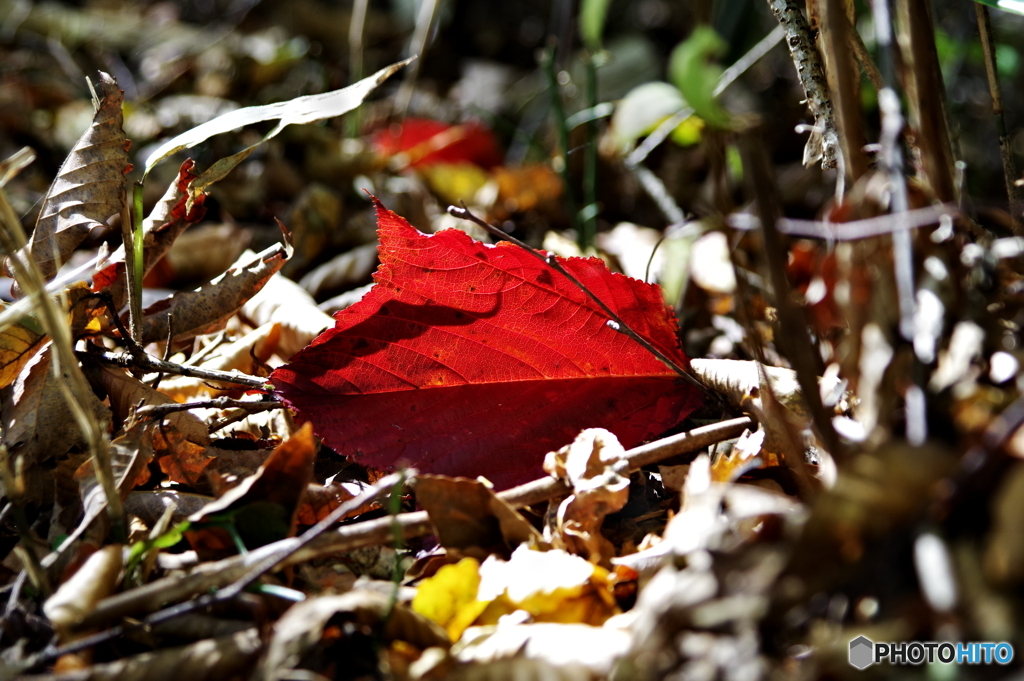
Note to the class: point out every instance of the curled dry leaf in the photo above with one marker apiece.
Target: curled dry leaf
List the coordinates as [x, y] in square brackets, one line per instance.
[594, 464]
[168, 219]
[469, 516]
[319, 500]
[209, 307]
[342, 271]
[283, 301]
[35, 415]
[76, 597]
[368, 612]
[90, 186]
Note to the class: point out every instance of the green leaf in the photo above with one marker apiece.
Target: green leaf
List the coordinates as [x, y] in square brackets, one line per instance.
[1015, 6]
[593, 14]
[693, 70]
[307, 109]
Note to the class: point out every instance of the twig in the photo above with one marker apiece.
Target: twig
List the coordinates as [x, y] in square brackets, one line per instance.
[794, 338]
[144, 360]
[615, 322]
[588, 216]
[812, 78]
[135, 356]
[548, 67]
[891, 160]
[1014, 192]
[156, 411]
[134, 285]
[371, 532]
[835, 38]
[355, 58]
[251, 570]
[848, 231]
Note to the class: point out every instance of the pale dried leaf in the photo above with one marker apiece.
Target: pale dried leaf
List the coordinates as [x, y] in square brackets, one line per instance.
[594, 464]
[90, 186]
[540, 651]
[94, 581]
[342, 271]
[300, 110]
[283, 301]
[208, 308]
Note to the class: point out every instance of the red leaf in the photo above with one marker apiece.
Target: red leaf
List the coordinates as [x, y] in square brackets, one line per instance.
[470, 359]
[428, 142]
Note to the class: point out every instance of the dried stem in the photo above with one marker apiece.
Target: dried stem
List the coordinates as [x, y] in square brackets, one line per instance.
[844, 83]
[891, 161]
[614, 321]
[548, 66]
[794, 338]
[157, 411]
[1014, 192]
[812, 78]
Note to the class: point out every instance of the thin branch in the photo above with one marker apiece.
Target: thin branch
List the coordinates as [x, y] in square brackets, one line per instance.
[615, 322]
[145, 361]
[156, 411]
[849, 231]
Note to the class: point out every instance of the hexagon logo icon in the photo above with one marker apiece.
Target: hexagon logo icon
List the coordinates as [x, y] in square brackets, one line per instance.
[862, 652]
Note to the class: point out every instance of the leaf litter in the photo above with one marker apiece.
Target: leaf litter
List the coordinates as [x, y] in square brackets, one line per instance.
[703, 534]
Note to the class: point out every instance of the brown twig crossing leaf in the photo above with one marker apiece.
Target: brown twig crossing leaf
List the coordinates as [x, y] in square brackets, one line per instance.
[90, 186]
[208, 308]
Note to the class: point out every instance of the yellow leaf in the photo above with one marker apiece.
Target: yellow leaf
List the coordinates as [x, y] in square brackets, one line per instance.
[450, 597]
[18, 343]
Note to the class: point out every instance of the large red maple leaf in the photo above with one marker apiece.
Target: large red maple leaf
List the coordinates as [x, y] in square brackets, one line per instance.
[471, 359]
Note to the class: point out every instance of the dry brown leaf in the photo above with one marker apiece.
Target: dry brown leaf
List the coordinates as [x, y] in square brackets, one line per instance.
[130, 455]
[77, 597]
[314, 221]
[301, 629]
[285, 302]
[180, 459]
[594, 464]
[319, 500]
[470, 518]
[199, 255]
[90, 186]
[209, 307]
[262, 508]
[36, 418]
[126, 393]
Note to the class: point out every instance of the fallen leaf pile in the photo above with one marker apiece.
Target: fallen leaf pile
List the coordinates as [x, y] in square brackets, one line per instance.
[495, 370]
